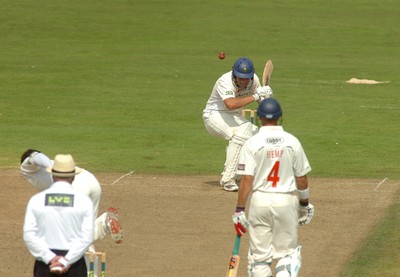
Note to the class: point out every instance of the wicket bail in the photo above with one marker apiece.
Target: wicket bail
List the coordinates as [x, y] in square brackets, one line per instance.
[252, 114]
[102, 260]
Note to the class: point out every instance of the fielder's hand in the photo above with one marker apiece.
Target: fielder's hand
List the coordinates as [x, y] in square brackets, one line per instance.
[262, 93]
[306, 213]
[241, 223]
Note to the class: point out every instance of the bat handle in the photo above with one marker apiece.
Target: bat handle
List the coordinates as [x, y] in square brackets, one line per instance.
[237, 245]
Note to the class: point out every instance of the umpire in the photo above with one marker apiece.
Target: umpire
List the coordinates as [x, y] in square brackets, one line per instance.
[58, 225]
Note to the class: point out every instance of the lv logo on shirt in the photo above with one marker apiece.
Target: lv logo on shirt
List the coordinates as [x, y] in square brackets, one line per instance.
[59, 200]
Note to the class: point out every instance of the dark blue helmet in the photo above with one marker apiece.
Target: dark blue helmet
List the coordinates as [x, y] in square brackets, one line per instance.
[269, 108]
[243, 68]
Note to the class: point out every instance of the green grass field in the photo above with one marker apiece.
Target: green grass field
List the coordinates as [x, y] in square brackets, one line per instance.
[121, 84]
[379, 255]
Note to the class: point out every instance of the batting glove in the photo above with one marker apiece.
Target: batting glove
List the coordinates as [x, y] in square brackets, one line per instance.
[306, 213]
[241, 223]
[262, 93]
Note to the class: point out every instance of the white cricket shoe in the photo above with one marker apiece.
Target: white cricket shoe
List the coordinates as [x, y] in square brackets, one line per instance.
[231, 186]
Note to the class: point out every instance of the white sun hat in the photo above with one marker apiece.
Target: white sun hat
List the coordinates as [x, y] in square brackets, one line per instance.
[63, 166]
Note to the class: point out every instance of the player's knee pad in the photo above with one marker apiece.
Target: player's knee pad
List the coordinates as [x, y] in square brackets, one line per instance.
[258, 269]
[282, 268]
[243, 133]
[289, 266]
[296, 261]
[262, 269]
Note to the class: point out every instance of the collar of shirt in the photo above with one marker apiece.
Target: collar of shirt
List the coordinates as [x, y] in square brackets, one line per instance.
[265, 129]
[61, 185]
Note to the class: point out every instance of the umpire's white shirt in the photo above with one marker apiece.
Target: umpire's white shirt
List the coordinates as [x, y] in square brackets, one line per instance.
[58, 218]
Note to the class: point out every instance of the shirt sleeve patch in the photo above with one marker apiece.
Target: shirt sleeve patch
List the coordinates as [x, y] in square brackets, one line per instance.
[241, 167]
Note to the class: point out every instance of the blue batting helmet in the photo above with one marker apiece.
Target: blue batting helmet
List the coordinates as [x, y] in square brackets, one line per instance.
[243, 68]
[269, 108]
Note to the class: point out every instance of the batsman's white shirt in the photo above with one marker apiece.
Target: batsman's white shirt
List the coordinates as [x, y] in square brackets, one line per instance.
[58, 218]
[274, 157]
[218, 119]
[224, 89]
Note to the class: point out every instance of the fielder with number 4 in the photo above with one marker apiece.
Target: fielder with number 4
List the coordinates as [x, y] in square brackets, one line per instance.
[222, 115]
[274, 171]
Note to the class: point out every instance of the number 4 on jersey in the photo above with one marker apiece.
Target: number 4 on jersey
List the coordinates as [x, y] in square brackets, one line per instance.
[273, 175]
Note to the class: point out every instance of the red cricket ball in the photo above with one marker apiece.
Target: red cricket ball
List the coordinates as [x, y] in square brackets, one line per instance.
[221, 55]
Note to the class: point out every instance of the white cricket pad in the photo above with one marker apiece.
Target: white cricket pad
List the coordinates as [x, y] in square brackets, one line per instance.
[243, 133]
[296, 262]
[289, 266]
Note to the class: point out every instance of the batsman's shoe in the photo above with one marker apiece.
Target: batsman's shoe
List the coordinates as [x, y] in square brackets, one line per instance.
[231, 186]
[115, 229]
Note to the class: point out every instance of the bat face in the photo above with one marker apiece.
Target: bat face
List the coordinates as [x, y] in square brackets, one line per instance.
[233, 266]
[266, 78]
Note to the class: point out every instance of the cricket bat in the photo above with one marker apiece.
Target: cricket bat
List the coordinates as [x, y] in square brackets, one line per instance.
[233, 267]
[266, 77]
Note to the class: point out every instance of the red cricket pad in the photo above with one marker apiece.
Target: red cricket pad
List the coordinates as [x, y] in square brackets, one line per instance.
[240, 230]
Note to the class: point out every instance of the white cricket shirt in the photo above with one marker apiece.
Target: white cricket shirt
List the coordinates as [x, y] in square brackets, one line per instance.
[33, 169]
[58, 218]
[224, 89]
[274, 157]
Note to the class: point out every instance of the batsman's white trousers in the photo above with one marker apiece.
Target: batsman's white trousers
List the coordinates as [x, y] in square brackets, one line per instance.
[223, 124]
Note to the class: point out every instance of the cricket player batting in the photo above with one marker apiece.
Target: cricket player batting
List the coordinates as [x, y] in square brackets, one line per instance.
[223, 118]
